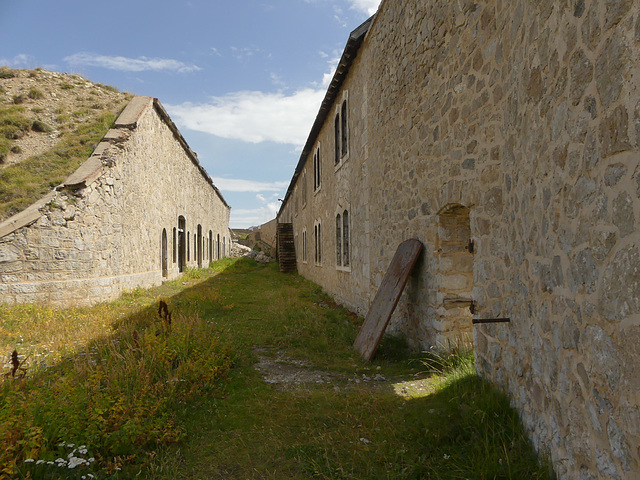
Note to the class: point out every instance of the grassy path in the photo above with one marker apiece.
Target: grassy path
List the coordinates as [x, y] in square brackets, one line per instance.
[229, 423]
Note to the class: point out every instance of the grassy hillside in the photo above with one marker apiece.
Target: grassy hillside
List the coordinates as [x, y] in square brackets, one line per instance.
[49, 124]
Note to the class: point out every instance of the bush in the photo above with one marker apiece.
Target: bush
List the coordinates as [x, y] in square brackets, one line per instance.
[40, 126]
[7, 73]
[34, 94]
[18, 99]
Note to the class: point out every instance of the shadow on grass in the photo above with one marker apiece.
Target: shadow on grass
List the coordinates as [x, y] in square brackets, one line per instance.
[100, 409]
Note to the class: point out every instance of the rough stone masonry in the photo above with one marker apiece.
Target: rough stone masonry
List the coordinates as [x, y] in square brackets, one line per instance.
[519, 123]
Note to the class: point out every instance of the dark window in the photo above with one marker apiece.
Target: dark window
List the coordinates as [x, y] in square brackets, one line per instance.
[175, 249]
[316, 169]
[318, 243]
[344, 129]
[337, 140]
[345, 238]
[338, 240]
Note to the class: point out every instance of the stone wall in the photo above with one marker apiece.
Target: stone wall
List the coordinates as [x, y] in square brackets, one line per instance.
[104, 229]
[522, 118]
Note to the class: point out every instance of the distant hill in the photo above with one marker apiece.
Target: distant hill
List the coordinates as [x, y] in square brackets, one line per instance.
[49, 124]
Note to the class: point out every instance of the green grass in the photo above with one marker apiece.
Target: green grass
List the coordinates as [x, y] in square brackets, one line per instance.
[113, 384]
[23, 183]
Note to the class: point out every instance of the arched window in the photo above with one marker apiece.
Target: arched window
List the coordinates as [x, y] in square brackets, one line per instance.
[188, 246]
[317, 169]
[342, 240]
[344, 129]
[224, 246]
[218, 247]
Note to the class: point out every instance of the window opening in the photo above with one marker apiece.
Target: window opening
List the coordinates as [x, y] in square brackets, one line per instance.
[173, 256]
[165, 268]
[316, 169]
[338, 240]
[181, 243]
[345, 239]
[344, 129]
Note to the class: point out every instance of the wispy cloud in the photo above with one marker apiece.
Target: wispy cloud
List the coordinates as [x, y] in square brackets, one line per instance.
[129, 64]
[21, 60]
[243, 218]
[368, 6]
[239, 185]
[253, 116]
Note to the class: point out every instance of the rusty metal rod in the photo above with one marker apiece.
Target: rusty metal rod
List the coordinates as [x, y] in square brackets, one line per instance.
[491, 320]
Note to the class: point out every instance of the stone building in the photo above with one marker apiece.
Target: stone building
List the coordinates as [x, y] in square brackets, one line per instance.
[139, 211]
[505, 136]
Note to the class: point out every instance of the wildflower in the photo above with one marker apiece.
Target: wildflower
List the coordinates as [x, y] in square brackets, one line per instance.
[40, 462]
[446, 457]
[75, 461]
[29, 460]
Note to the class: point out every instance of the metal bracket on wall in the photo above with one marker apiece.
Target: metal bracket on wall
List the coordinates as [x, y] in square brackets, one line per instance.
[491, 320]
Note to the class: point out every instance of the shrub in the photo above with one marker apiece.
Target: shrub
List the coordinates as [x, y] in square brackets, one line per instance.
[20, 98]
[6, 72]
[66, 86]
[40, 126]
[34, 94]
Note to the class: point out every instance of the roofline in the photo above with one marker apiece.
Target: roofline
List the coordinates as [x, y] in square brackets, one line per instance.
[185, 146]
[354, 41]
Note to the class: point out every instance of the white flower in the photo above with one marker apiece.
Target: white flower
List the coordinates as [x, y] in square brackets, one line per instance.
[39, 462]
[60, 460]
[446, 457]
[29, 460]
[91, 460]
[71, 445]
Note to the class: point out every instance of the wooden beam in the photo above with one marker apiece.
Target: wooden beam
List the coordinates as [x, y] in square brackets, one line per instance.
[386, 299]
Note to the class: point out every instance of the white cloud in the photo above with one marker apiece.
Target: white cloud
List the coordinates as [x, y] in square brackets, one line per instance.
[22, 60]
[368, 6]
[239, 185]
[249, 217]
[253, 116]
[129, 64]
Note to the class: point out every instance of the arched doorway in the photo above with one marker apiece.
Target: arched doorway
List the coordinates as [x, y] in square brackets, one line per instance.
[454, 248]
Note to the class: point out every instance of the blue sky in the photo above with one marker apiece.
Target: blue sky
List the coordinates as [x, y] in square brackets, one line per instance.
[242, 79]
